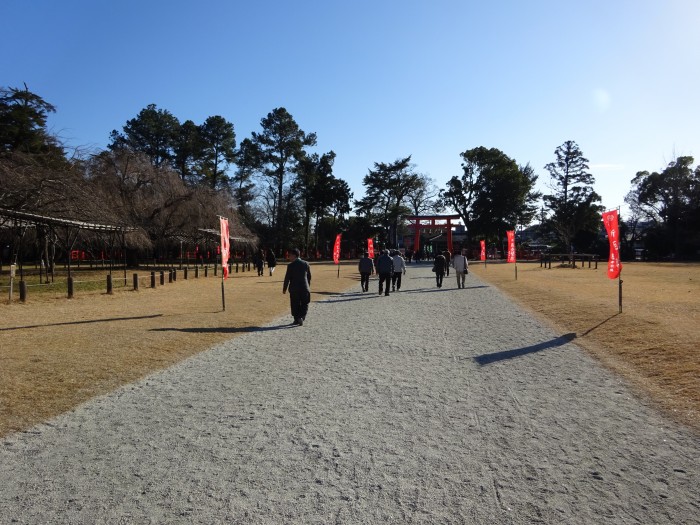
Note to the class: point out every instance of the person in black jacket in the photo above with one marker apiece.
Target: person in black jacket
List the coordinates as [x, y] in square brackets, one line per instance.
[385, 269]
[439, 265]
[366, 268]
[271, 261]
[297, 280]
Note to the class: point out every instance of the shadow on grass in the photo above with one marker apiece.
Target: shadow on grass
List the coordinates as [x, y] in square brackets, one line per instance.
[108, 320]
[486, 359]
[598, 325]
[224, 329]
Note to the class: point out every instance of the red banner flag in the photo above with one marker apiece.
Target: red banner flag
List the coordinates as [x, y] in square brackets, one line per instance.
[225, 246]
[370, 248]
[613, 230]
[336, 249]
[511, 246]
[483, 250]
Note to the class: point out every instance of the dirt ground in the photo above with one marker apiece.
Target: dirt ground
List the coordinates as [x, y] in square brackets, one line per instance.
[56, 353]
[654, 342]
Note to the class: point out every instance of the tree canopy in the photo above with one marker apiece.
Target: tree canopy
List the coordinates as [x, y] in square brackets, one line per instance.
[574, 212]
[493, 194]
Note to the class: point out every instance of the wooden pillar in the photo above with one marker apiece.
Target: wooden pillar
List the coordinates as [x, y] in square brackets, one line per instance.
[449, 238]
[416, 238]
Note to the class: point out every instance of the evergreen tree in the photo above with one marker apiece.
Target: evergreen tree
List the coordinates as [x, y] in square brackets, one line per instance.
[573, 202]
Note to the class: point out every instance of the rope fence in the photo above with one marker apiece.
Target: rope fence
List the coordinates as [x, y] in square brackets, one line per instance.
[153, 278]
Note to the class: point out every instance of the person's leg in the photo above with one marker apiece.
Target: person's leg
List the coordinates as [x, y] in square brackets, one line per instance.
[381, 283]
[393, 282]
[398, 280]
[294, 306]
[305, 299]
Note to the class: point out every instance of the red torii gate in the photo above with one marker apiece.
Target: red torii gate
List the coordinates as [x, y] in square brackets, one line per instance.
[430, 219]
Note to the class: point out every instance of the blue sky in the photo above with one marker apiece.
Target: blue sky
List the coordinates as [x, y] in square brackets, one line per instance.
[380, 80]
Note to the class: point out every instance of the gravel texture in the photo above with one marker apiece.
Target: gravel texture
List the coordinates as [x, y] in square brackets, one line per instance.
[427, 406]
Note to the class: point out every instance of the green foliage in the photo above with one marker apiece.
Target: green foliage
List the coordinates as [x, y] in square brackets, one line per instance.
[670, 200]
[152, 132]
[573, 203]
[387, 189]
[493, 194]
[279, 147]
[23, 116]
[218, 143]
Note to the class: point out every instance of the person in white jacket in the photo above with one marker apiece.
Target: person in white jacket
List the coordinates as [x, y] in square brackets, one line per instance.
[461, 266]
[399, 269]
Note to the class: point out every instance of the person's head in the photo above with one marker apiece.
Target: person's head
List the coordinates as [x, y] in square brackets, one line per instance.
[366, 254]
[294, 254]
[385, 251]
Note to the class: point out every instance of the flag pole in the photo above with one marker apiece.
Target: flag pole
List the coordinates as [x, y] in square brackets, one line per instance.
[619, 275]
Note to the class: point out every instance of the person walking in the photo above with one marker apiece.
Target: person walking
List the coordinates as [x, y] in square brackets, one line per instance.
[297, 280]
[439, 264]
[448, 259]
[259, 262]
[385, 269]
[271, 261]
[399, 269]
[366, 268]
[461, 266]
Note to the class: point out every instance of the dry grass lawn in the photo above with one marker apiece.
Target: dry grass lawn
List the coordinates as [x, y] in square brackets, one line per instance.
[56, 353]
[654, 342]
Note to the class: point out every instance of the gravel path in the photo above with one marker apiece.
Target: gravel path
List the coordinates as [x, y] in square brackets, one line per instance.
[428, 406]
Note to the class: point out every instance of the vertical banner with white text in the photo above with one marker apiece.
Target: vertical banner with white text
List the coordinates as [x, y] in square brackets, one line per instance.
[511, 245]
[225, 246]
[370, 248]
[483, 250]
[610, 219]
[336, 249]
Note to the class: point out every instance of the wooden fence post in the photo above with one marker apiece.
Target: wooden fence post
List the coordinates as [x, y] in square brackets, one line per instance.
[70, 288]
[153, 279]
[110, 289]
[196, 272]
[185, 273]
[22, 292]
[136, 282]
[162, 277]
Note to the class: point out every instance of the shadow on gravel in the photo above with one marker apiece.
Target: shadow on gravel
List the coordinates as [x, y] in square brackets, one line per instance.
[354, 297]
[108, 320]
[224, 330]
[486, 359]
[443, 289]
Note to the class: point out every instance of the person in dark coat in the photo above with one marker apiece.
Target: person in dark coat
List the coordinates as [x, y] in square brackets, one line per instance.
[297, 281]
[259, 262]
[385, 269]
[271, 261]
[366, 268]
[439, 265]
